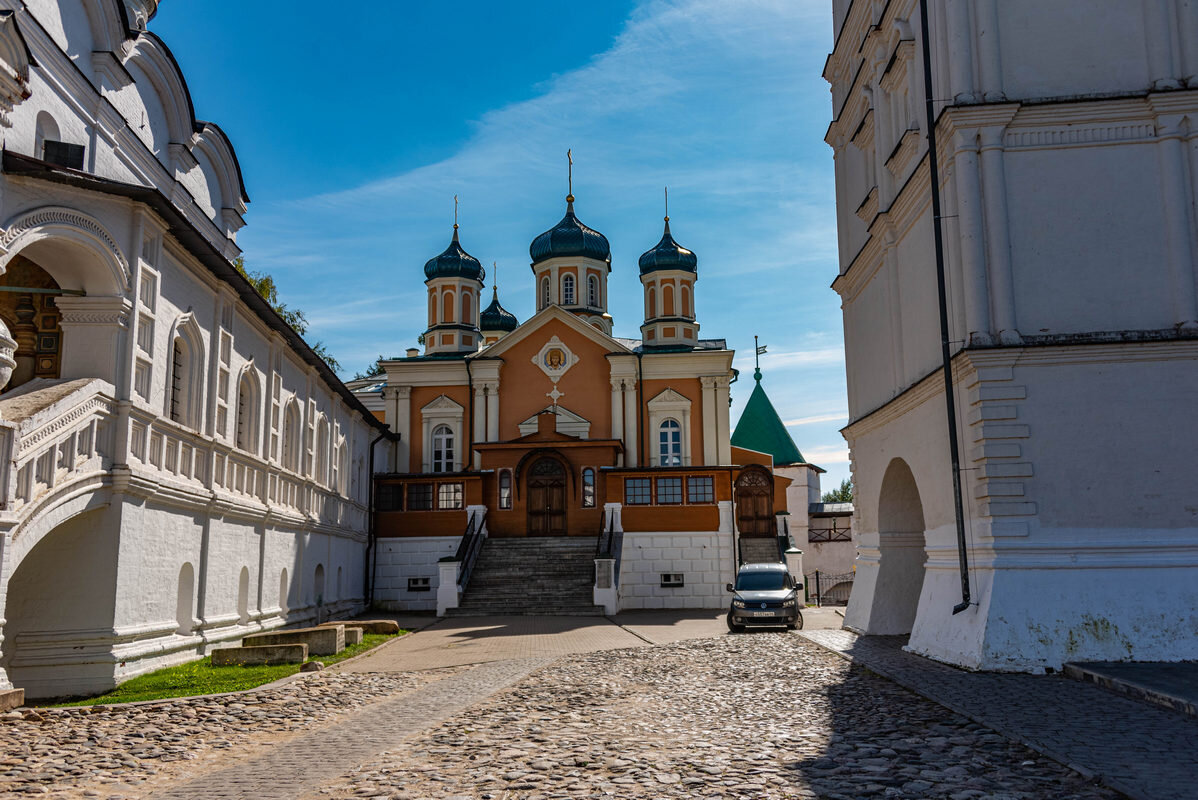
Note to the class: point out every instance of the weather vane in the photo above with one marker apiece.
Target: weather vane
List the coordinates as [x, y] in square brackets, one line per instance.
[759, 349]
[495, 276]
[455, 212]
[570, 175]
[667, 189]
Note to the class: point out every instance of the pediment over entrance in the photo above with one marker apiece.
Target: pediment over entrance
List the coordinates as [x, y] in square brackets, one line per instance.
[568, 423]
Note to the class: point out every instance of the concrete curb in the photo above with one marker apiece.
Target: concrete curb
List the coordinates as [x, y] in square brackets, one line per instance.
[1130, 688]
[1016, 736]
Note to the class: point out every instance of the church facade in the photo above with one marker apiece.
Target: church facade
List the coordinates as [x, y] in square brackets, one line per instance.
[553, 427]
[1067, 153]
[177, 467]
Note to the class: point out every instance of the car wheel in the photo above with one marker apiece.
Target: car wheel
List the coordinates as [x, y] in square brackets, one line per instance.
[732, 626]
[797, 625]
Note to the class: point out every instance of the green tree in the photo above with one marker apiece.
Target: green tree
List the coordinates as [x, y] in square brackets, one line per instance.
[374, 369]
[841, 494]
[265, 285]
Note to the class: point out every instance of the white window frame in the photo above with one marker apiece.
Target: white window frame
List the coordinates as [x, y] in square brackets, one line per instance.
[669, 443]
[443, 411]
[569, 290]
[670, 405]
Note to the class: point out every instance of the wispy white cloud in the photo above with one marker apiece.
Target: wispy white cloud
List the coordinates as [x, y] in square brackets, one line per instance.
[822, 456]
[795, 423]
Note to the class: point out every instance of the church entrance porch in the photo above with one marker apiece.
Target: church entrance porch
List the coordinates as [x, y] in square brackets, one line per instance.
[547, 498]
[755, 503]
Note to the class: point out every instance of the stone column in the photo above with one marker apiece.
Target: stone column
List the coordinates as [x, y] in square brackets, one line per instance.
[617, 409]
[960, 41]
[972, 240]
[401, 423]
[480, 422]
[998, 238]
[989, 55]
[25, 334]
[1176, 206]
[631, 428]
[723, 431]
[711, 454]
[493, 412]
[91, 331]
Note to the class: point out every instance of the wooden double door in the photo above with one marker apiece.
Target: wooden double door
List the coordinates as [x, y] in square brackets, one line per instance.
[547, 498]
[755, 502]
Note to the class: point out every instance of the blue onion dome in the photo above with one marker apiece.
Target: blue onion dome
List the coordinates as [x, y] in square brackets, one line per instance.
[668, 254]
[570, 238]
[495, 317]
[454, 263]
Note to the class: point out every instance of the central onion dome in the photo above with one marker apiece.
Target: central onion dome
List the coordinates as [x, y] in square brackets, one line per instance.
[495, 317]
[668, 254]
[454, 263]
[570, 238]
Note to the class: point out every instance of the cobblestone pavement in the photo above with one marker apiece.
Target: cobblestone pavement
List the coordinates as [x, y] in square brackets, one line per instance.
[106, 751]
[766, 715]
[1144, 751]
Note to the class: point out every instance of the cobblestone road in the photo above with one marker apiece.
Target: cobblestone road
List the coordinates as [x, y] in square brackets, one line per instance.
[1144, 751]
[764, 715]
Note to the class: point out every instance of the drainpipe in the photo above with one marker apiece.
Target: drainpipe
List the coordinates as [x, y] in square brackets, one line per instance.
[942, 290]
[642, 454]
[468, 459]
[371, 546]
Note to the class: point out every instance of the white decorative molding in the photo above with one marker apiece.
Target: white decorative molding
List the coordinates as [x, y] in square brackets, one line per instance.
[555, 359]
[93, 310]
[14, 67]
[32, 224]
[568, 423]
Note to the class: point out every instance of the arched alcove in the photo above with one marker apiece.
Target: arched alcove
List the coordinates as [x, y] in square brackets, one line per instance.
[284, 591]
[902, 553]
[318, 584]
[243, 596]
[185, 600]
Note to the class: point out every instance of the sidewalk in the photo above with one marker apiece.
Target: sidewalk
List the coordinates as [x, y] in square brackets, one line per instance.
[1145, 752]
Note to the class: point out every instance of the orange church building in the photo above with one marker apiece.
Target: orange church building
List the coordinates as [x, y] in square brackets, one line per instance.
[596, 471]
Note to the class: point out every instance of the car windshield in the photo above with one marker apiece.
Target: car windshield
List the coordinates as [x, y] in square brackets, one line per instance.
[760, 581]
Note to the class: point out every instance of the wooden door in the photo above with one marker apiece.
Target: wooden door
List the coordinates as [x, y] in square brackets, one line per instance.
[547, 498]
[755, 502]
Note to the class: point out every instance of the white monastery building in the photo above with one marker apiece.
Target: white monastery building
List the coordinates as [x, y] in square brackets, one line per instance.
[1067, 152]
[177, 468]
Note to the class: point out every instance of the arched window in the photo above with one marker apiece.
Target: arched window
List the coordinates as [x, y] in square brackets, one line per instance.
[341, 470]
[593, 292]
[443, 449]
[178, 391]
[505, 488]
[467, 309]
[669, 439]
[447, 307]
[588, 488]
[185, 382]
[291, 437]
[46, 129]
[686, 301]
[247, 413]
[544, 292]
[650, 303]
[322, 452]
[567, 290]
[667, 300]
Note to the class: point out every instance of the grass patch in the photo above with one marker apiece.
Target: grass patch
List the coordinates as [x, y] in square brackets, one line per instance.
[200, 677]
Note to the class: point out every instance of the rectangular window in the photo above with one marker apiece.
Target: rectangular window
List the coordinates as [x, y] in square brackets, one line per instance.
[672, 580]
[637, 492]
[145, 334]
[389, 497]
[449, 496]
[669, 491]
[505, 489]
[141, 379]
[699, 489]
[419, 585]
[588, 488]
[420, 496]
[64, 154]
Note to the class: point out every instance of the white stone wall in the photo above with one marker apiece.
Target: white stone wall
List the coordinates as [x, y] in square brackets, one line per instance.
[410, 557]
[704, 558]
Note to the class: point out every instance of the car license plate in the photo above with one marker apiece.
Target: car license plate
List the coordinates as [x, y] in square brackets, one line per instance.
[764, 614]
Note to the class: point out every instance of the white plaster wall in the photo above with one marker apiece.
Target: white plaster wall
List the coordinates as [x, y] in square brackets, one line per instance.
[704, 558]
[410, 557]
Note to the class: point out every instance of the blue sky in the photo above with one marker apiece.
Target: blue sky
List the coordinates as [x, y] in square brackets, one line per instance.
[356, 125]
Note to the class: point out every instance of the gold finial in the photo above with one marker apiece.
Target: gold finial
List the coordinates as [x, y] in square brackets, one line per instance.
[570, 175]
[667, 203]
[455, 212]
[495, 276]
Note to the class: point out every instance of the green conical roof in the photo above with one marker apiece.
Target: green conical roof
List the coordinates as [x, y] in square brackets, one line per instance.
[761, 429]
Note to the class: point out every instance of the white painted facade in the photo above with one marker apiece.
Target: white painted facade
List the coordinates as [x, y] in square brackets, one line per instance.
[195, 473]
[705, 560]
[402, 560]
[1068, 158]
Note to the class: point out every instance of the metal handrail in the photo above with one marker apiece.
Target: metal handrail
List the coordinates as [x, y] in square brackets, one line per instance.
[784, 540]
[603, 546]
[469, 548]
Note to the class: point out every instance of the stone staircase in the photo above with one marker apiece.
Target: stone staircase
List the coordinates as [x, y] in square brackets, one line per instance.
[759, 550]
[534, 575]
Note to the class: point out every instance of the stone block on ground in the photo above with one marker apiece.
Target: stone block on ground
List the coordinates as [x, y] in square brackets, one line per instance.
[260, 655]
[353, 635]
[11, 698]
[383, 626]
[324, 641]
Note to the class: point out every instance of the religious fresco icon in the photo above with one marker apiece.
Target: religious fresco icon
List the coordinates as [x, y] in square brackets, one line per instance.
[555, 358]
